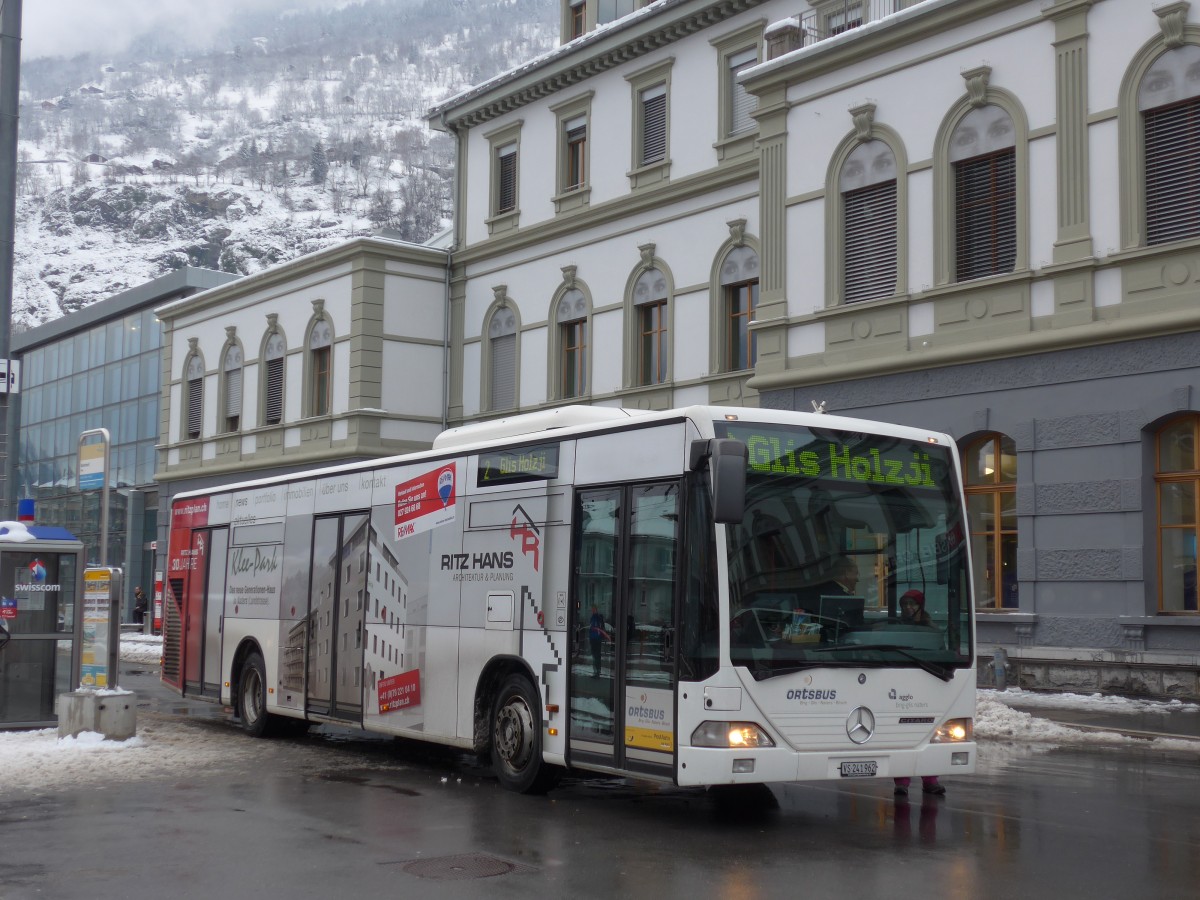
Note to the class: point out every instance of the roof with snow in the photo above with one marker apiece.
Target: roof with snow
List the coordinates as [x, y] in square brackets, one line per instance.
[643, 31]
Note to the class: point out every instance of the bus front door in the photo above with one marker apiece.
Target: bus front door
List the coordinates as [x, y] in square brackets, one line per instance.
[336, 606]
[622, 673]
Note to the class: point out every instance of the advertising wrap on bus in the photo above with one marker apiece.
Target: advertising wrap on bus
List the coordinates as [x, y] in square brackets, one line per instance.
[556, 599]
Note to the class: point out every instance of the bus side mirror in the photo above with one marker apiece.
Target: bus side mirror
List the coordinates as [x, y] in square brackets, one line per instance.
[726, 460]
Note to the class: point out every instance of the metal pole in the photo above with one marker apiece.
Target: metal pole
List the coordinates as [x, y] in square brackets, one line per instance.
[10, 99]
[84, 481]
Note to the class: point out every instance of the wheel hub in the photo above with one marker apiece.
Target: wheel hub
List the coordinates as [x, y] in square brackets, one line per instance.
[514, 734]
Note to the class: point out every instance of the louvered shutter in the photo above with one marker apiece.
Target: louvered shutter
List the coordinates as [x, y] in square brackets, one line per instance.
[654, 125]
[274, 410]
[869, 242]
[504, 372]
[985, 215]
[195, 406]
[195, 396]
[506, 178]
[742, 103]
[233, 398]
[1172, 172]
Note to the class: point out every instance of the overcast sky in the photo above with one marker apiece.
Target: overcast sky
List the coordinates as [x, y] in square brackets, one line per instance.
[67, 27]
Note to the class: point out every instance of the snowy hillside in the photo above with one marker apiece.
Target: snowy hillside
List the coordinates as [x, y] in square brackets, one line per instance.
[288, 134]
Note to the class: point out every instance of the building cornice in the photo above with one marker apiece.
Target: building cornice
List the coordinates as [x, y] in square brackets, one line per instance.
[1092, 334]
[902, 29]
[631, 37]
[320, 262]
[699, 185]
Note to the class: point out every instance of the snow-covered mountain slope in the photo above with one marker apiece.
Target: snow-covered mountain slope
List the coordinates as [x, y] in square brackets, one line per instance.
[288, 133]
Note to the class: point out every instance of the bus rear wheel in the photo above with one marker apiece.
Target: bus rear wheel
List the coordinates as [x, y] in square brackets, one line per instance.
[252, 696]
[517, 739]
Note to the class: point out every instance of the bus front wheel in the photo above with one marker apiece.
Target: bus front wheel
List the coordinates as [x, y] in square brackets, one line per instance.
[517, 739]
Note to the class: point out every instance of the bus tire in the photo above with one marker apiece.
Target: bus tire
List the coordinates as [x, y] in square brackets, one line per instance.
[517, 739]
[252, 696]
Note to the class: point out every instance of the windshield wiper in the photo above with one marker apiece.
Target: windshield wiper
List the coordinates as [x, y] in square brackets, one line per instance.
[943, 672]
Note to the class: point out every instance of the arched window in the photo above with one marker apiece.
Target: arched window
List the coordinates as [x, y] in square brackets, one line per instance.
[867, 185]
[739, 287]
[193, 385]
[274, 353]
[652, 337]
[990, 472]
[502, 358]
[1168, 100]
[982, 154]
[320, 360]
[231, 393]
[1177, 481]
[571, 316]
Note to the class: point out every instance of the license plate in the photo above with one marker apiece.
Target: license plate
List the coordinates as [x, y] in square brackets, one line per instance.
[859, 768]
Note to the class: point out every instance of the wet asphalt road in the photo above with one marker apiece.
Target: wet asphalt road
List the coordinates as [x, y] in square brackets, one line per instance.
[336, 816]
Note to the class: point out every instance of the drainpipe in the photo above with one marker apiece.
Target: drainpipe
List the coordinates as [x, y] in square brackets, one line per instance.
[449, 266]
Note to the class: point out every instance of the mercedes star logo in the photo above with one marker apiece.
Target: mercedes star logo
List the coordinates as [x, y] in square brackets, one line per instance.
[860, 725]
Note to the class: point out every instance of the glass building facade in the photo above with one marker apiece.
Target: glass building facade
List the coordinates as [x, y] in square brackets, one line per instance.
[99, 368]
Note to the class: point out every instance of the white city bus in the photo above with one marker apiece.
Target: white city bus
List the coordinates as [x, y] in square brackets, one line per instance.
[700, 596]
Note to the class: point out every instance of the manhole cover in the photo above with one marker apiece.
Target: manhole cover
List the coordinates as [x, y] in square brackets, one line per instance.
[463, 866]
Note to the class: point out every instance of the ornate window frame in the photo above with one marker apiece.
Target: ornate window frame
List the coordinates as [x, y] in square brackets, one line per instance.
[717, 308]
[979, 93]
[643, 174]
[730, 144]
[319, 341]
[572, 290]
[632, 318]
[503, 305]
[998, 488]
[274, 346]
[1184, 484]
[193, 376]
[567, 116]
[231, 384]
[866, 129]
[503, 140]
[1131, 134]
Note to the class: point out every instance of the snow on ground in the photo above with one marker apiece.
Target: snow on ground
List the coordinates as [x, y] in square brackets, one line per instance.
[170, 746]
[141, 648]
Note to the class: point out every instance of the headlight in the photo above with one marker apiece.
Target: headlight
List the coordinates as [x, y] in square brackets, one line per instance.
[954, 731]
[730, 734]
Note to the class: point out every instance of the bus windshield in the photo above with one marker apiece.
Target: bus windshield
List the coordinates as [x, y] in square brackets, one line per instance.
[851, 553]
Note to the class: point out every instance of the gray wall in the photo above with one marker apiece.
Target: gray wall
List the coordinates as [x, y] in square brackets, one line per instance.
[1083, 422]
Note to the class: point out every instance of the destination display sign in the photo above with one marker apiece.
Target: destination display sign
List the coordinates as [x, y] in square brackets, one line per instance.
[536, 463]
[866, 459]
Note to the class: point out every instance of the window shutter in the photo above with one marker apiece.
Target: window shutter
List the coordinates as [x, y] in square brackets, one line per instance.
[985, 215]
[869, 247]
[741, 101]
[274, 411]
[233, 393]
[195, 406]
[1172, 172]
[654, 125]
[504, 372]
[506, 178]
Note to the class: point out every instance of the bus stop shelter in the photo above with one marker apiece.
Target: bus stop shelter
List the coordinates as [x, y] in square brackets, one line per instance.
[41, 583]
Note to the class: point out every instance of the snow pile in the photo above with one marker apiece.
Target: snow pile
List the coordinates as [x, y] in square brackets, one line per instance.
[15, 532]
[1089, 702]
[141, 648]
